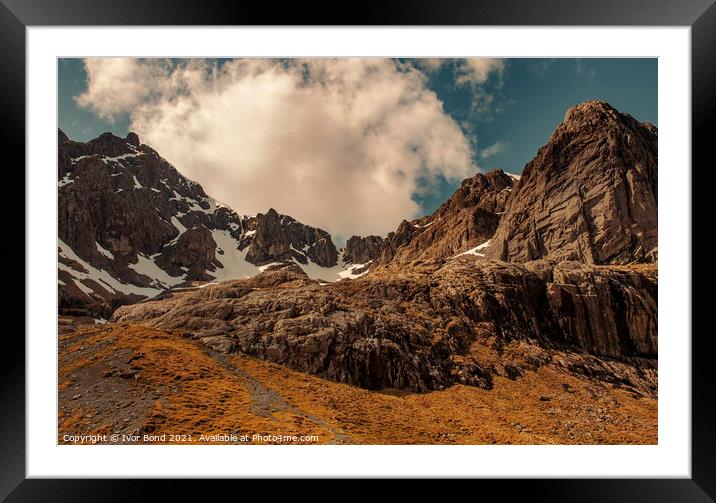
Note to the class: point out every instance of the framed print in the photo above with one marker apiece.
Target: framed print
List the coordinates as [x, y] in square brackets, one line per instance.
[421, 242]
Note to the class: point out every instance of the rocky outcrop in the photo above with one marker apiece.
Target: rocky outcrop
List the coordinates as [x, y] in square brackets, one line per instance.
[282, 238]
[415, 327]
[466, 220]
[605, 311]
[589, 195]
[361, 250]
[193, 254]
[398, 239]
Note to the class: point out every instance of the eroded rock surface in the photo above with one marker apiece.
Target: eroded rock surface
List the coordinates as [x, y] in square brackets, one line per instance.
[361, 250]
[414, 328]
[589, 195]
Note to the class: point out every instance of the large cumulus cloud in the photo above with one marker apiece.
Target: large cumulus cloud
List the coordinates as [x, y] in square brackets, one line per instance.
[337, 143]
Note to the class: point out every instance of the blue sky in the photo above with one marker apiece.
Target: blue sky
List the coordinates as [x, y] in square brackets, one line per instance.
[528, 100]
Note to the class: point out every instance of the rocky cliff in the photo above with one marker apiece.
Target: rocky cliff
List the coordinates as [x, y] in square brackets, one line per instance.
[589, 195]
[361, 250]
[466, 220]
[282, 238]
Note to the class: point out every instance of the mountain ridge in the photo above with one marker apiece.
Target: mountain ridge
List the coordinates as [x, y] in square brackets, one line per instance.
[180, 235]
[544, 284]
[131, 226]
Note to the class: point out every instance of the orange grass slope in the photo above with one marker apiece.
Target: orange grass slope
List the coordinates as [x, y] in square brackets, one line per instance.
[150, 386]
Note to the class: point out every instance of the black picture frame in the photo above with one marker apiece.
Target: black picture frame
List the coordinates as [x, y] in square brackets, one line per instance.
[700, 15]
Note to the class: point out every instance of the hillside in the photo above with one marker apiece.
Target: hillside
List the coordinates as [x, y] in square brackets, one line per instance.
[133, 380]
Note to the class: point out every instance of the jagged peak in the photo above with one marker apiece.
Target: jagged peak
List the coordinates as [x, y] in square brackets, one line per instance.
[592, 115]
[590, 108]
[133, 139]
[591, 152]
[495, 179]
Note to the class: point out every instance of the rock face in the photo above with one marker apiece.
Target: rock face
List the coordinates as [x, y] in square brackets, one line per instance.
[131, 226]
[191, 255]
[281, 238]
[589, 195]
[361, 250]
[416, 328]
[466, 220]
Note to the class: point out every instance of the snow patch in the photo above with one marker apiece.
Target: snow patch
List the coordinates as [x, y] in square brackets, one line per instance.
[207, 284]
[262, 268]
[193, 204]
[66, 180]
[104, 252]
[349, 271]
[119, 157]
[476, 250]
[160, 278]
[100, 276]
[75, 159]
[233, 260]
[176, 223]
[137, 185]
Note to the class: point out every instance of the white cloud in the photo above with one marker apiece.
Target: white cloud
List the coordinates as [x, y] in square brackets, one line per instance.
[476, 71]
[116, 85]
[468, 71]
[336, 143]
[432, 64]
[494, 149]
[472, 73]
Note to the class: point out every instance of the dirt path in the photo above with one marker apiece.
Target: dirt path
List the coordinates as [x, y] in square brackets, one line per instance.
[266, 401]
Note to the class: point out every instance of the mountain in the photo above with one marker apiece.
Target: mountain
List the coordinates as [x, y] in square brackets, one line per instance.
[590, 194]
[466, 221]
[131, 226]
[548, 282]
[437, 295]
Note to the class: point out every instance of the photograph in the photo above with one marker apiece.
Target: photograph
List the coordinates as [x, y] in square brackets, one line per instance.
[357, 250]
